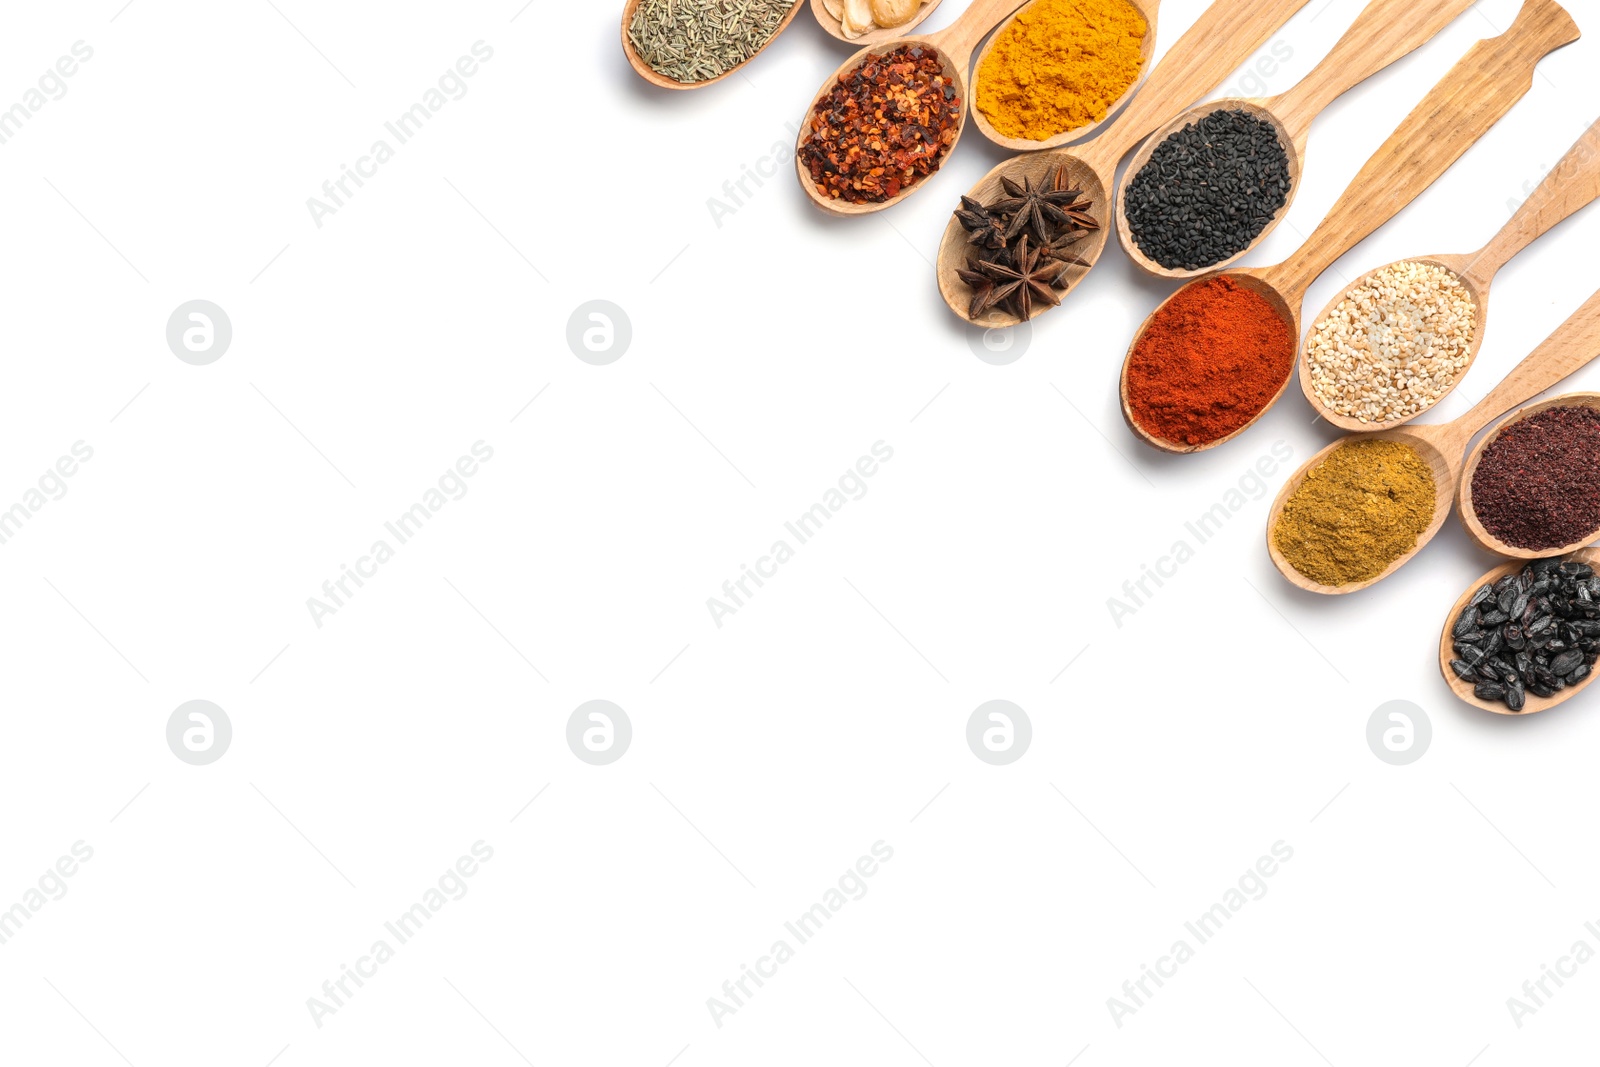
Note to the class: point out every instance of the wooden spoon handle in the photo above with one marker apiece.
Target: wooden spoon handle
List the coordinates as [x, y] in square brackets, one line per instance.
[1572, 186]
[1385, 32]
[1475, 95]
[1226, 34]
[1575, 343]
[958, 39]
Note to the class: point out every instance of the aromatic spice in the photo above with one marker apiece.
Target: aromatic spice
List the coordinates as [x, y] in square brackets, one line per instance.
[697, 40]
[884, 125]
[1535, 485]
[1060, 65]
[1394, 346]
[1213, 357]
[1535, 632]
[1359, 510]
[1022, 244]
[860, 17]
[1208, 190]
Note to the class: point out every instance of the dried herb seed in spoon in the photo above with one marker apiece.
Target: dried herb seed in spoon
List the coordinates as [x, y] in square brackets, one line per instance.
[697, 40]
[1208, 190]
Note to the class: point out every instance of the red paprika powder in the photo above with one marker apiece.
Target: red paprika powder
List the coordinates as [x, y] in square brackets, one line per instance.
[1213, 357]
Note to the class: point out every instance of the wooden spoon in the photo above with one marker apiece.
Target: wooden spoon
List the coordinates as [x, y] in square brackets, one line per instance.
[1464, 690]
[1472, 97]
[1572, 186]
[654, 77]
[1575, 343]
[953, 45]
[1150, 9]
[1469, 515]
[1225, 35]
[1384, 33]
[834, 28]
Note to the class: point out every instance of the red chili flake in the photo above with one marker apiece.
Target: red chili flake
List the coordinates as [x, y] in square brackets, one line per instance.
[883, 126]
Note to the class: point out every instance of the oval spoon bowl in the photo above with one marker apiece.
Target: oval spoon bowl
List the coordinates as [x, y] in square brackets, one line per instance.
[834, 28]
[1246, 279]
[1150, 9]
[1444, 482]
[1469, 517]
[953, 247]
[839, 205]
[1464, 690]
[656, 78]
[1294, 150]
[1460, 266]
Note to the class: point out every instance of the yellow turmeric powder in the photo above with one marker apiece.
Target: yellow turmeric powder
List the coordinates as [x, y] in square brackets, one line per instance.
[1060, 65]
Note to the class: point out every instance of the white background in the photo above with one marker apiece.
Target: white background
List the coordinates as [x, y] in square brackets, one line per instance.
[828, 714]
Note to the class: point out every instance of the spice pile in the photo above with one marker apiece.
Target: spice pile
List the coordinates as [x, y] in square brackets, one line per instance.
[697, 40]
[1359, 510]
[883, 126]
[1060, 65]
[1535, 486]
[1021, 244]
[861, 17]
[1208, 190]
[1394, 346]
[1213, 357]
[1535, 632]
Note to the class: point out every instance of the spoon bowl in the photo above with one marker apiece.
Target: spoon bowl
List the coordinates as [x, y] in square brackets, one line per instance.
[1464, 690]
[1433, 449]
[1385, 32]
[1477, 288]
[656, 78]
[1265, 284]
[953, 46]
[1150, 9]
[834, 28]
[1224, 36]
[1469, 516]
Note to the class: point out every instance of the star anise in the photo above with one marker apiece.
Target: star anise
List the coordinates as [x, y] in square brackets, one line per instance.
[982, 227]
[1041, 206]
[985, 292]
[1030, 277]
[1058, 249]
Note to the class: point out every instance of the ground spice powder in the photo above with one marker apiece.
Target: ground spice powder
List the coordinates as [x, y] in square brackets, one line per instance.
[1359, 510]
[1213, 357]
[1535, 486]
[1060, 65]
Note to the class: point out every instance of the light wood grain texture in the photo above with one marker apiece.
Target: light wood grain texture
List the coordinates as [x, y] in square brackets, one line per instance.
[1385, 32]
[953, 45]
[1469, 515]
[1225, 35]
[1566, 190]
[1150, 9]
[1475, 94]
[1574, 344]
[1447, 652]
[834, 28]
[649, 73]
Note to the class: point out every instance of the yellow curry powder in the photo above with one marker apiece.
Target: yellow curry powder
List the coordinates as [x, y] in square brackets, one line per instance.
[1060, 65]
[1358, 511]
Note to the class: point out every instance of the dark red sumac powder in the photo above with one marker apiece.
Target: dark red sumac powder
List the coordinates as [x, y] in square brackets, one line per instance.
[1212, 359]
[1538, 483]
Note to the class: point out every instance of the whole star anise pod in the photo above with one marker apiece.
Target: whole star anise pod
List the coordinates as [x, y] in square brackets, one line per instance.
[1028, 278]
[982, 227]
